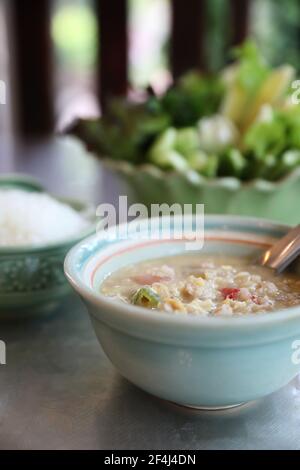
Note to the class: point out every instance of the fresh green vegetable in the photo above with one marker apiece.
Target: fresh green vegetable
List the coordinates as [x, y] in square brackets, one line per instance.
[216, 133]
[252, 69]
[181, 150]
[193, 97]
[264, 138]
[198, 160]
[232, 163]
[238, 123]
[163, 152]
[287, 162]
[187, 140]
[146, 297]
[251, 84]
[211, 168]
[274, 135]
[126, 132]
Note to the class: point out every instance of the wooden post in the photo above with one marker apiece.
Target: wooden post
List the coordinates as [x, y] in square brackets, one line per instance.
[31, 66]
[187, 42]
[112, 67]
[239, 20]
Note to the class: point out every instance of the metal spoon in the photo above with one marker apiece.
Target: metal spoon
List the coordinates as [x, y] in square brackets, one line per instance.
[283, 252]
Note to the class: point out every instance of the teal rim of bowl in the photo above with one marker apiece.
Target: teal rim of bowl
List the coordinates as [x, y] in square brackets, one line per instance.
[72, 268]
[21, 181]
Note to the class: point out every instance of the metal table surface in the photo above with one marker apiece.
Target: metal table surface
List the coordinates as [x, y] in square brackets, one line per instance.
[59, 391]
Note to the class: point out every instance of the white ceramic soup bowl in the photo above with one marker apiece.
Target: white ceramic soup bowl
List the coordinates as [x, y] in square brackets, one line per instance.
[196, 361]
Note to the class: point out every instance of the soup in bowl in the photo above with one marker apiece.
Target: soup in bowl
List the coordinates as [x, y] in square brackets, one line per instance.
[203, 286]
[204, 328]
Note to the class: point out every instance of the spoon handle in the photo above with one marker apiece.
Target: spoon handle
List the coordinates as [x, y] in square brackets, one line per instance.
[283, 252]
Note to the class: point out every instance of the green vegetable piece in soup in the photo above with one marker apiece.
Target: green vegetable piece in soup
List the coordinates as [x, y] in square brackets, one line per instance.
[146, 297]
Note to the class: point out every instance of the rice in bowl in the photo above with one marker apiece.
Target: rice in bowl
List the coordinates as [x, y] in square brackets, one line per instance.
[36, 218]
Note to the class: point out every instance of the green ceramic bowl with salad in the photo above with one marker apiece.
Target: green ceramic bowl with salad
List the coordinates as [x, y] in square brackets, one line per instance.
[230, 141]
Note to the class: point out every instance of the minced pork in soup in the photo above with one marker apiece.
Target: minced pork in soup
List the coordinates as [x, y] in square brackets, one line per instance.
[198, 285]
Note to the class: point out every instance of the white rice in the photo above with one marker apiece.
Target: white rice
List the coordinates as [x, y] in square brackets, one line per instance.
[32, 218]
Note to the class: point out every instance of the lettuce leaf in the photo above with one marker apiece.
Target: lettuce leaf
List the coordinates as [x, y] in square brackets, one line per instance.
[252, 69]
[193, 97]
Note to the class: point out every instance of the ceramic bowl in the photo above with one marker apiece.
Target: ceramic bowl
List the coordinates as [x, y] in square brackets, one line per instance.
[32, 280]
[203, 362]
[148, 185]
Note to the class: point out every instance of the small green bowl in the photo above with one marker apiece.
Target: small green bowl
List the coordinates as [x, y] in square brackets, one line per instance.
[32, 280]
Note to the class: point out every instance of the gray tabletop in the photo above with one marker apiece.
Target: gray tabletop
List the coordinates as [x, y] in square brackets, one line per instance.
[59, 391]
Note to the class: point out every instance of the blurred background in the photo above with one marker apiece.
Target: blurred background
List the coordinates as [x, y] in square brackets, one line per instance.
[62, 58]
[65, 59]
